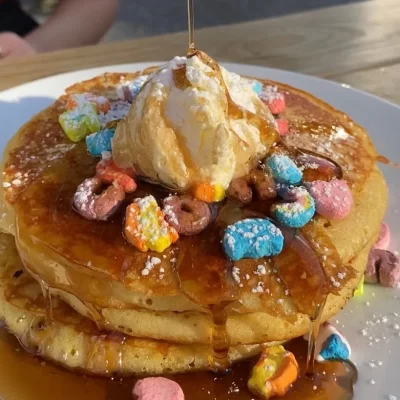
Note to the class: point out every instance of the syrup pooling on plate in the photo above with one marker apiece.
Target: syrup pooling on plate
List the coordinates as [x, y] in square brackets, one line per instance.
[334, 380]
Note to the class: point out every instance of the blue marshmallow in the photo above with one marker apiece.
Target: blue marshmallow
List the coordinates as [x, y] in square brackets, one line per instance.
[296, 213]
[331, 344]
[334, 349]
[257, 87]
[283, 169]
[99, 142]
[252, 238]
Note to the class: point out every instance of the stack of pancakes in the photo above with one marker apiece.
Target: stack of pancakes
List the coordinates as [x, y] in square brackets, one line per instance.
[75, 291]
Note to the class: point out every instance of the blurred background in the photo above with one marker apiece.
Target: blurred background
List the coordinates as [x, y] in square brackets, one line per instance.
[139, 18]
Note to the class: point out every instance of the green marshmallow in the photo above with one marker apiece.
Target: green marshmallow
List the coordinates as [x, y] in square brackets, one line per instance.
[79, 123]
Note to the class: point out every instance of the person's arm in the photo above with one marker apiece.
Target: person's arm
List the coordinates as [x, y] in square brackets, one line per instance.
[74, 23]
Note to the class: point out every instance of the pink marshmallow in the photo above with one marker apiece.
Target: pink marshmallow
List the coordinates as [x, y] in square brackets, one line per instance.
[333, 199]
[383, 266]
[283, 126]
[371, 272]
[157, 389]
[383, 242]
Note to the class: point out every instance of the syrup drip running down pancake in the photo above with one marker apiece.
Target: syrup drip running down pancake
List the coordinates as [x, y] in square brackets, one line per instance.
[90, 265]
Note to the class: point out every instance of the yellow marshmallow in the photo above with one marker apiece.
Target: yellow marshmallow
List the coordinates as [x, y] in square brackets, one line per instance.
[273, 374]
[146, 228]
[219, 193]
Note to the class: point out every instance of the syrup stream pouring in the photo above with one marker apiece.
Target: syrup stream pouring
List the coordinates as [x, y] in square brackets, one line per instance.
[191, 48]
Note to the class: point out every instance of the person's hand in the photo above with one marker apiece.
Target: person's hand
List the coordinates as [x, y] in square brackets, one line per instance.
[12, 45]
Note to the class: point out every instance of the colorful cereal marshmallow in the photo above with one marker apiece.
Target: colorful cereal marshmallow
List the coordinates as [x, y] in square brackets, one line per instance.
[383, 266]
[109, 173]
[333, 199]
[93, 205]
[208, 193]
[129, 90]
[99, 142]
[252, 238]
[157, 388]
[257, 86]
[80, 122]
[359, 291]
[283, 126]
[273, 99]
[383, 241]
[298, 210]
[331, 344]
[283, 169]
[146, 228]
[274, 373]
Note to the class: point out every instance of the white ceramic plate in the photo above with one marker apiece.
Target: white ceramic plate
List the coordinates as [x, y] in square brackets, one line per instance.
[370, 323]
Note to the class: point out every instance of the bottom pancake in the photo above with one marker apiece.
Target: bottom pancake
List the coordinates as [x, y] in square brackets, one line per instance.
[74, 341]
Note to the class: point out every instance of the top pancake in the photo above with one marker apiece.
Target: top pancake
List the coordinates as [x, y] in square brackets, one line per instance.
[92, 261]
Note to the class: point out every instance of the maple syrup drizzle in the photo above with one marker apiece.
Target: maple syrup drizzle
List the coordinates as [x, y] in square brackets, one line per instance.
[315, 325]
[308, 263]
[220, 339]
[384, 160]
[298, 259]
[106, 353]
[48, 303]
[190, 9]
[214, 290]
[96, 315]
[46, 291]
[268, 132]
[326, 170]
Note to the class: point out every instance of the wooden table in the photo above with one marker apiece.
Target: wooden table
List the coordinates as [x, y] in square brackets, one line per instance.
[358, 44]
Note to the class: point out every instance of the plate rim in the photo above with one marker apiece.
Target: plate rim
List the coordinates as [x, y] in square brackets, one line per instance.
[62, 75]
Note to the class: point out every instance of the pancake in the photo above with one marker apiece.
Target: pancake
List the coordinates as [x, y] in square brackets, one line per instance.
[90, 266]
[75, 342]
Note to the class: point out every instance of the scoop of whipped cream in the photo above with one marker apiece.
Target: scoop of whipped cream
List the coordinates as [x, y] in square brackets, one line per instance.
[194, 122]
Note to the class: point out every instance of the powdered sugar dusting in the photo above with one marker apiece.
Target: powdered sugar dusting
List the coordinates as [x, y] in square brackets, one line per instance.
[270, 93]
[44, 143]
